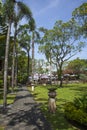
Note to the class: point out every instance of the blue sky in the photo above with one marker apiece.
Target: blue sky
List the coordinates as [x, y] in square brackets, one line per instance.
[47, 12]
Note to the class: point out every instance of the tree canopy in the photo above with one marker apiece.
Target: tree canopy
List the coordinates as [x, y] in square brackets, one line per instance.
[61, 43]
[80, 15]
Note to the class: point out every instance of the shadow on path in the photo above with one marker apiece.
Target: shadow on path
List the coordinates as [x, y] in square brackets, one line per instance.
[24, 114]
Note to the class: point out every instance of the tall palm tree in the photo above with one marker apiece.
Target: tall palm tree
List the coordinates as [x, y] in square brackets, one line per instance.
[24, 41]
[35, 37]
[9, 15]
[23, 11]
[8, 11]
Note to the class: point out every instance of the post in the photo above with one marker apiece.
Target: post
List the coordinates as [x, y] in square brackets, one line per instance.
[52, 101]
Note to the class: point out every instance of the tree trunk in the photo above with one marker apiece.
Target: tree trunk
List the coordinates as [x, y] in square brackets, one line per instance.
[13, 69]
[15, 57]
[33, 57]
[28, 70]
[60, 75]
[6, 66]
[60, 78]
[16, 69]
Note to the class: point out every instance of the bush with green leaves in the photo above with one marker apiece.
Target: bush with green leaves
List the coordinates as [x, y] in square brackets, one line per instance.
[81, 103]
[77, 110]
[22, 78]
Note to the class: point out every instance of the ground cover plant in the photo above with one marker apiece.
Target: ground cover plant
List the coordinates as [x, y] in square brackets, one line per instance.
[64, 95]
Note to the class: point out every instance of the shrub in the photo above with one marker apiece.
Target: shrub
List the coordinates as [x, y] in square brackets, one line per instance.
[22, 78]
[77, 110]
[81, 103]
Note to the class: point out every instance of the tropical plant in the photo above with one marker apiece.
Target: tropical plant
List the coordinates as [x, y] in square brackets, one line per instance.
[9, 17]
[24, 41]
[21, 12]
[35, 37]
[77, 110]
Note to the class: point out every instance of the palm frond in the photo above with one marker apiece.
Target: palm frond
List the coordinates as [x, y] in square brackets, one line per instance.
[32, 24]
[25, 10]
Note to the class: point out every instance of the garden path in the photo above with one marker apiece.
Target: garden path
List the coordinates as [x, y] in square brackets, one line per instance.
[24, 114]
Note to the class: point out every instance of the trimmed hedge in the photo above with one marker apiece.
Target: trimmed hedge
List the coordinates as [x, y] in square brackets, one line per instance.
[77, 110]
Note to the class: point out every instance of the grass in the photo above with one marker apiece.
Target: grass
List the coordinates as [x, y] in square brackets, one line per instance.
[1, 128]
[10, 96]
[65, 94]
[10, 99]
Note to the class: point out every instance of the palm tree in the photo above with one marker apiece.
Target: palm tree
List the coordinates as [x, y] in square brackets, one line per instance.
[9, 15]
[24, 40]
[35, 37]
[23, 11]
[8, 11]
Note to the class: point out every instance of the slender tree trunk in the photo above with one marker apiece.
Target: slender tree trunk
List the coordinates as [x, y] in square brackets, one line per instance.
[60, 76]
[15, 55]
[16, 69]
[6, 66]
[33, 57]
[28, 66]
[13, 69]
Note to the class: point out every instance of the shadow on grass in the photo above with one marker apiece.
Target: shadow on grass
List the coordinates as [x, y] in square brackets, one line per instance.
[42, 99]
[58, 120]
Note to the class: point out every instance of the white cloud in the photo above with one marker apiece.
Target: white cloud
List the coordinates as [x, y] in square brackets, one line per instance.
[52, 4]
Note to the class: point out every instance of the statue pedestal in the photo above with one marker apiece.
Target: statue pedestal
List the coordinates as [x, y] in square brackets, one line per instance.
[52, 101]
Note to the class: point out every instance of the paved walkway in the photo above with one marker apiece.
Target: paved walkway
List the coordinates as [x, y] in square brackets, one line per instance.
[24, 114]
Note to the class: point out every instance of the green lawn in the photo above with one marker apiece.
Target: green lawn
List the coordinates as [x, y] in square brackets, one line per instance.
[10, 96]
[65, 94]
[1, 128]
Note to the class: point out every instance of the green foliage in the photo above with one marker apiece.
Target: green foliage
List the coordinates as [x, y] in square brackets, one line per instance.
[80, 14]
[1, 83]
[77, 110]
[77, 66]
[56, 45]
[81, 103]
[22, 78]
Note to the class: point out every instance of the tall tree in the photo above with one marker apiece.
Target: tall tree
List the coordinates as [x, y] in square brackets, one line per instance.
[80, 15]
[77, 66]
[24, 41]
[61, 42]
[22, 11]
[9, 15]
[35, 37]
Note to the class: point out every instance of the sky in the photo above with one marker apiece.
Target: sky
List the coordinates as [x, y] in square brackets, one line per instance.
[47, 12]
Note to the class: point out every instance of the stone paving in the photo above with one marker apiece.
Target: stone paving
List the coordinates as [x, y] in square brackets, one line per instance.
[24, 114]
